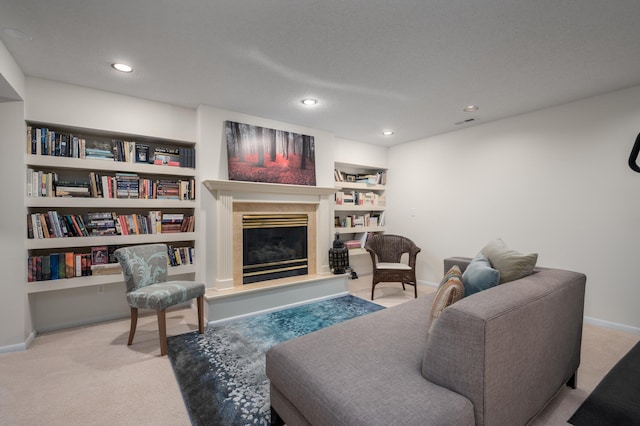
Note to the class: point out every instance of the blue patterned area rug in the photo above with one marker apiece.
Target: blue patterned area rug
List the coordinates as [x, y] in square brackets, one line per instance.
[221, 373]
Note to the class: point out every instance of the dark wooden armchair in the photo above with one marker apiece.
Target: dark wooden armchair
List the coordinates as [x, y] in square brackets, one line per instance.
[386, 253]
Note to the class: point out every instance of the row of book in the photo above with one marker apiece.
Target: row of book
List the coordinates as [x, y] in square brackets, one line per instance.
[181, 255]
[100, 261]
[122, 185]
[379, 178]
[57, 225]
[355, 198]
[45, 141]
[353, 221]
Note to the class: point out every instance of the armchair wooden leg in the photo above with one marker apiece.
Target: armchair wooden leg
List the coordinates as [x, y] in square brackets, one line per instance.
[162, 327]
[134, 323]
[415, 290]
[201, 314]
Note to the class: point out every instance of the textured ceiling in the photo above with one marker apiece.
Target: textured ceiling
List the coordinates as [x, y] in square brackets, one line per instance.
[409, 65]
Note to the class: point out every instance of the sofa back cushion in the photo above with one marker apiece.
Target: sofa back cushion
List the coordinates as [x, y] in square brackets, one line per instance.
[479, 276]
[512, 264]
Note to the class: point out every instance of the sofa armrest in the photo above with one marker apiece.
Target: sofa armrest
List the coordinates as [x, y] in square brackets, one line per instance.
[462, 263]
[510, 348]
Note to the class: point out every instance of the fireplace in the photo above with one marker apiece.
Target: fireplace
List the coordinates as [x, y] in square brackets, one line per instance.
[234, 199]
[274, 246]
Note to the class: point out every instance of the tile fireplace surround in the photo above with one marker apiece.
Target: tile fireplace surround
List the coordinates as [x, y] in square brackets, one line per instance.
[235, 198]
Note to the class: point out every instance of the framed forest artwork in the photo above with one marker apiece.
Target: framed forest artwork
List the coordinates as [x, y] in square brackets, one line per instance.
[259, 154]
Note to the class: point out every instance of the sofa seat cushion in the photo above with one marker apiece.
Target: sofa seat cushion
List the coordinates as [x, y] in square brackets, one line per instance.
[162, 295]
[366, 371]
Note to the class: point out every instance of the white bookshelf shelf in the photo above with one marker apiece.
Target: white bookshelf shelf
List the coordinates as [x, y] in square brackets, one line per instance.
[106, 165]
[357, 229]
[359, 208]
[66, 242]
[360, 186]
[107, 203]
[357, 252]
[94, 280]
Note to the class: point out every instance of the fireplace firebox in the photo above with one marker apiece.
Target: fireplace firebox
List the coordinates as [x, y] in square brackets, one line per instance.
[273, 246]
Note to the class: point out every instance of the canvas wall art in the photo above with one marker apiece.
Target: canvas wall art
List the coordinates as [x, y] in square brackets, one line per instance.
[259, 154]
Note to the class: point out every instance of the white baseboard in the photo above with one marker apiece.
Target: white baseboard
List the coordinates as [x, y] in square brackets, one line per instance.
[612, 325]
[19, 346]
[428, 283]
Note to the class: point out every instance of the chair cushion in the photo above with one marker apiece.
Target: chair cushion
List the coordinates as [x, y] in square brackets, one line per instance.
[398, 266]
[163, 295]
[479, 276]
[449, 291]
[512, 264]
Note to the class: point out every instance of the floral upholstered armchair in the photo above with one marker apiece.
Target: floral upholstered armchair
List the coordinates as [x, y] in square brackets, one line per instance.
[145, 275]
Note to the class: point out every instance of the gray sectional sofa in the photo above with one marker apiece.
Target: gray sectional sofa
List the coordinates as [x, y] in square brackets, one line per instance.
[494, 358]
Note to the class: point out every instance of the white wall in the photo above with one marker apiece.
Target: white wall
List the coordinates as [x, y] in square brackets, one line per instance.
[15, 320]
[360, 153]
[12, 82]
[555, 181]
[69, 105]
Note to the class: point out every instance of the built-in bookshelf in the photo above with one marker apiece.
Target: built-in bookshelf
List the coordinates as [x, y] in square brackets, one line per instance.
[90, 190]
[360, 203]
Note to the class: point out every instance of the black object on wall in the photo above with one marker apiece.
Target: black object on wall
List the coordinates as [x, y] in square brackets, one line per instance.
[633, 158]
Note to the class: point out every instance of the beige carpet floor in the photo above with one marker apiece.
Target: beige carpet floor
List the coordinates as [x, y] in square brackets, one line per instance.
[89, 376]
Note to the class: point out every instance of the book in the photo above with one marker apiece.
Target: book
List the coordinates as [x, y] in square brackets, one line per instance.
[106, 269]
[351, 244]
[46, 268]
[54, 263]
[142, 153]
[70, 266]
[30, 269]
[62, 267]
[38, 273]
[29, 227]
[78, 265]
[99, 255]
[165, 155]
[155, 221]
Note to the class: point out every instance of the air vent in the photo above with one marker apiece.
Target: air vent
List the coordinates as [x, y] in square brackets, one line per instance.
[468, 120]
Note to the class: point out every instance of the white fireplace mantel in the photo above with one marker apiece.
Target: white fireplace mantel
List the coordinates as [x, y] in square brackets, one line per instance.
[265, 188]
[227, 192]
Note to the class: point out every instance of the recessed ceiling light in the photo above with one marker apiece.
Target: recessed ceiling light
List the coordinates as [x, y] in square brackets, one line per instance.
[387, 132]
[470, 108]
[122, 67]
[309, 102]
